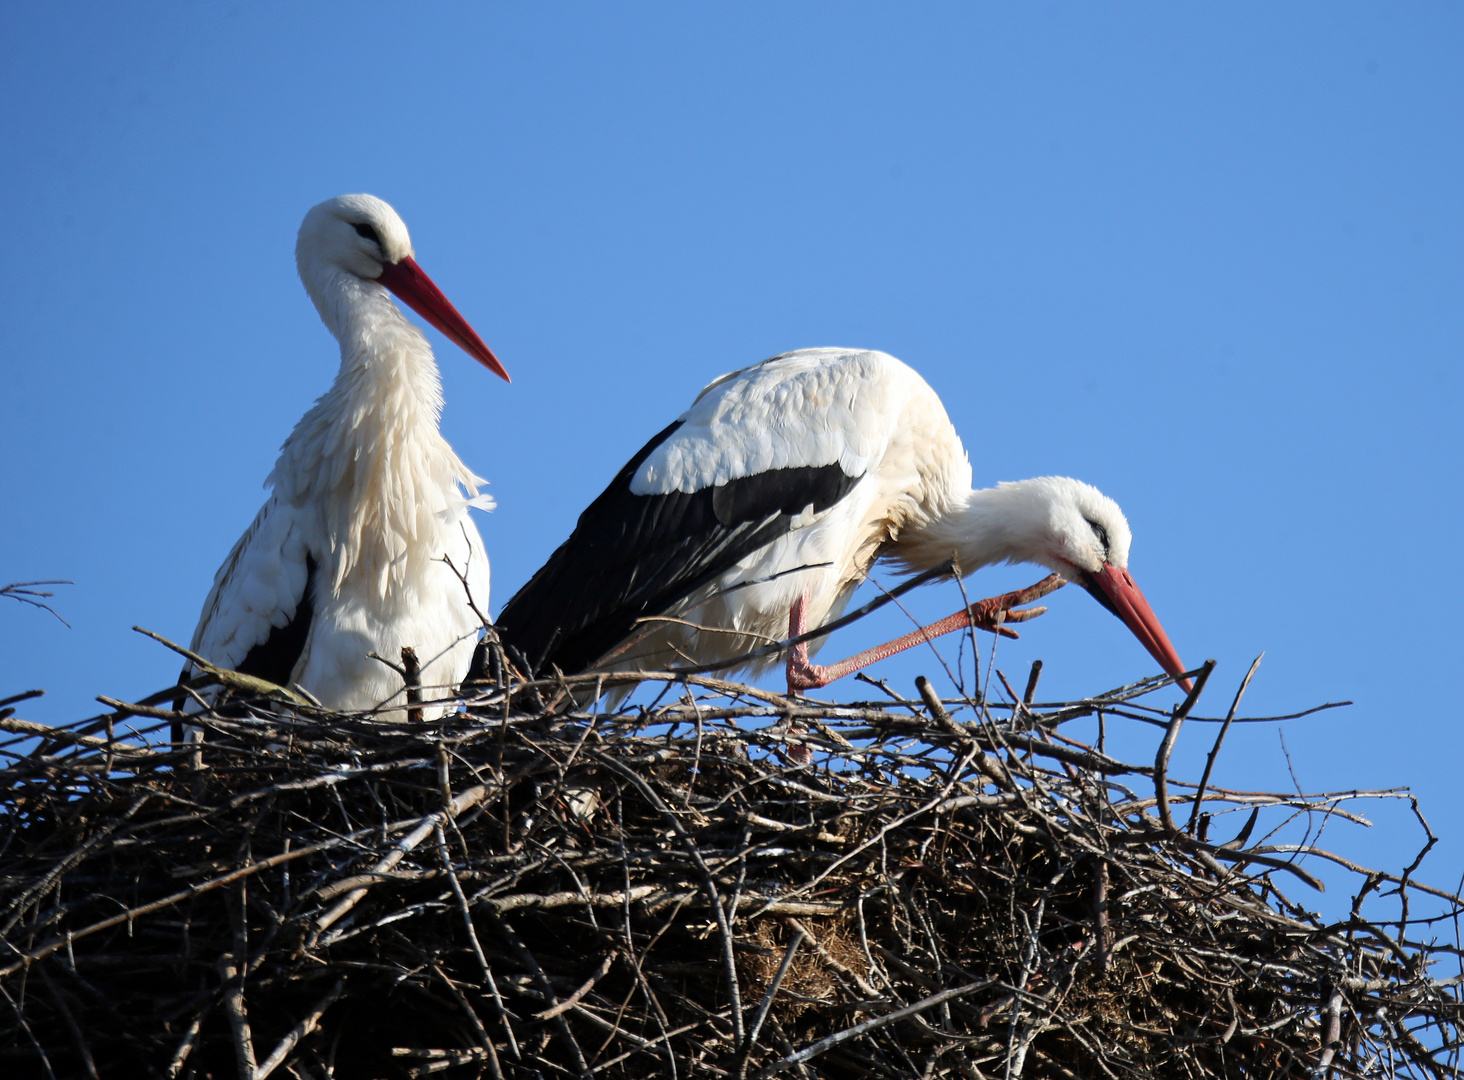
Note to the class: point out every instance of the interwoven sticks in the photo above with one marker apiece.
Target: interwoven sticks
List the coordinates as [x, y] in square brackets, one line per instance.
[947, 889]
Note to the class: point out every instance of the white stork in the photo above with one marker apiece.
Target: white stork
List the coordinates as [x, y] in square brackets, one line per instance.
[762, 508]
[349, 555]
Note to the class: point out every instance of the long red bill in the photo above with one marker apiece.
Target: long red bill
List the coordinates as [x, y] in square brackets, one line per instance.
[411, 283]
[1116, 591]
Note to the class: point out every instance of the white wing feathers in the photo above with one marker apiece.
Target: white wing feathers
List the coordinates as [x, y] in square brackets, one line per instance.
[795, 410]
[257, 589]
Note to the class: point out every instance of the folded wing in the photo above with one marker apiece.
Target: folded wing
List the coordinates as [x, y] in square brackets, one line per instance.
[637, 555]
[258, 615]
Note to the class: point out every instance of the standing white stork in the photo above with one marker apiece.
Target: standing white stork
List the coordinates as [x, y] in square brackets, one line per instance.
[764, 506]
[349, 555]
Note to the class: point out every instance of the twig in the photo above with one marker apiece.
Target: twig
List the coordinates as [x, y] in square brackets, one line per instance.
[825, 630]
[1219, 740]
[233, 995]
[57, 734]
[76, 1033]
[1030, 694]
[767, 1001]
[1171, 734]
[412, 678]
[729, 963]
[1331, 1034]
[531, 964]
[31, 1035]
[186, 1045]
[27, 593]
[869, 1026]
[24, 695]
[299, 1031]
[468, 799]
[578, 996]
[236, 680]
[490, 1052]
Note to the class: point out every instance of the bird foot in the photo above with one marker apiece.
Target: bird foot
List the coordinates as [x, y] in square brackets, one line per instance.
[993, 613]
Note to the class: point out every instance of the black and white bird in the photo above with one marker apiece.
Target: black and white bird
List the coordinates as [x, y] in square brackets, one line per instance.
[761, 509]
[350, 554]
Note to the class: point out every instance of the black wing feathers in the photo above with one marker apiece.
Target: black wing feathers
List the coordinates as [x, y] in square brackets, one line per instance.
[779, 491]
[633, 556]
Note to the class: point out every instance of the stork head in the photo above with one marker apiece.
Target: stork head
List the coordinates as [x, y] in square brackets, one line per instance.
[363, 236]
[1081, 533]
[356, 233]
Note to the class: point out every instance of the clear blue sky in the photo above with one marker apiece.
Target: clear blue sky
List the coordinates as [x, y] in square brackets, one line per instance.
[1206, 257]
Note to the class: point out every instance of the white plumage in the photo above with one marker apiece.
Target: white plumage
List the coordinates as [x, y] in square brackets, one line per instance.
[759, 512]
[349, 555]
[811, 407]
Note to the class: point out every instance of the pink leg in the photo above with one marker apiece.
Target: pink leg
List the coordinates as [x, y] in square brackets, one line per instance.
[802, 675]
[991, 615]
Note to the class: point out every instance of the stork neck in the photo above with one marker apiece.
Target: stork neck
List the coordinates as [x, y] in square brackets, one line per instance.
[370, 328]
[1006, 524]
[387, 389]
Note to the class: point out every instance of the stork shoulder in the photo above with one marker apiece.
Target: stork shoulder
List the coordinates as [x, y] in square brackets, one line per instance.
[801, 410]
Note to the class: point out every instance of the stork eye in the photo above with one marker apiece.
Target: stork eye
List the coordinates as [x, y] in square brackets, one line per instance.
[369, 233]
[1100, 532]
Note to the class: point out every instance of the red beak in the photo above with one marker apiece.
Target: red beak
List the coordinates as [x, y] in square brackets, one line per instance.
[1115, 590]
[411, 284]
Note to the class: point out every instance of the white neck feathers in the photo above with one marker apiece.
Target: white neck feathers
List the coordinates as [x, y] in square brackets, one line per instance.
[385, 487]
[1009, 523]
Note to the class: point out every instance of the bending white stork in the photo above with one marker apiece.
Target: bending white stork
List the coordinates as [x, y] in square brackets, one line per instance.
[349, 555]
[764, 506]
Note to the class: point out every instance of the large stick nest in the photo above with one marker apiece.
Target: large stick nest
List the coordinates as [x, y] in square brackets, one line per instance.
[721, 884]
